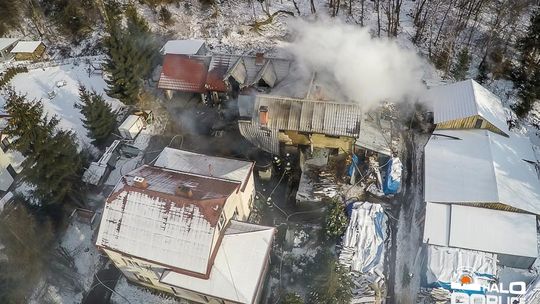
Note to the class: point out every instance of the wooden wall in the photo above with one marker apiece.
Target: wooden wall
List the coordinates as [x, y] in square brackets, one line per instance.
[469, 123]
[295, 138]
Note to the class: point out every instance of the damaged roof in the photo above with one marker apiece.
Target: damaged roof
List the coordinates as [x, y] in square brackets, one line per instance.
[184, 73]
[200, 164]
[237, 269]
[465, 99]
[323, 117]
[222, 65]
[478, 166]
[157, 224]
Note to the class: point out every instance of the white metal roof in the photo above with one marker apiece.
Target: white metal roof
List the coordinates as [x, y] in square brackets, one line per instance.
[481, 229]
[464, 99]
[182, 47]
[6, 42]
[185, 161]
[26, 47]
[481, 167]
[129, 122]
[238, 266]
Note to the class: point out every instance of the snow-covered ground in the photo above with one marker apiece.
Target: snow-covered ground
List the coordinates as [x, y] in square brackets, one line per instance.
[63, 82]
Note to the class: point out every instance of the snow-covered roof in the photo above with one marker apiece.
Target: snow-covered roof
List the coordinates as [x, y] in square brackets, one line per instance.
[182, 47]
[373, 136]
[200, 164]
[238, 267]
[7, 42]
[482, 229]
[129, 122]
[478, 166]
[26, 46]
[184, 73]
[155, 223]
[464, 99]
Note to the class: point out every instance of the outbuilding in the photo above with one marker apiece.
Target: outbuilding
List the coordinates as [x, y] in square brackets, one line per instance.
[132, 126]
[6, 44]
[29, 50]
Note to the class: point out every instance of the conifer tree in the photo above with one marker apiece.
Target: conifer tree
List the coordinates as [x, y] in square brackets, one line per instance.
[99, 118]
[527, 78]
[460, 69]
[28, 128]
[25, 252]
[131, 53]
[52, 161]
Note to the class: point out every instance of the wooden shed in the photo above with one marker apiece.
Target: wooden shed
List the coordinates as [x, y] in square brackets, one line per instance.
[29, 50]
[467, 105]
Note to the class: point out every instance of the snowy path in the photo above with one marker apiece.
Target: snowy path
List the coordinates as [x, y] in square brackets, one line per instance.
[410, 226]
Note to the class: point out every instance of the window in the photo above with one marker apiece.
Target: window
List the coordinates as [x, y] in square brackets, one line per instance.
[250, 203]
[11, 171]
[221, 221]
[236, 214]
[4, 144]
[478, 123]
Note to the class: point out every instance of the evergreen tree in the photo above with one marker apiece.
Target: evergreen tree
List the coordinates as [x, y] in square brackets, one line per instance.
[131, 54]
[99, 118]
[527, 76]
[333, 285]
[482, 75]
[460, 69]
[28, 128]
[24, 255]
[56, 170]
[335, 222]
[52, 162]
[292, 298]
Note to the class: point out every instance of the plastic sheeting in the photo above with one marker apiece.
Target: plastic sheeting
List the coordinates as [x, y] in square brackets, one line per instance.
[445, 265]
[392, 179]
[363, 243]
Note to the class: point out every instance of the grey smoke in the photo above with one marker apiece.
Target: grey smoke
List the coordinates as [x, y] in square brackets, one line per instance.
[367, 70]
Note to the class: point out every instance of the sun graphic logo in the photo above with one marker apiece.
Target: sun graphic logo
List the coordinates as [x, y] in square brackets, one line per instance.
[466, 280]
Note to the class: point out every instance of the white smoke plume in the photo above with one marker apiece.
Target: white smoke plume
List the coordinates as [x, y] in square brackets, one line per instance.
[366, 70]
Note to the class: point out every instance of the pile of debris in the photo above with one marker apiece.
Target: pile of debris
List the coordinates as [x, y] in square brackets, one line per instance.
[363, 251]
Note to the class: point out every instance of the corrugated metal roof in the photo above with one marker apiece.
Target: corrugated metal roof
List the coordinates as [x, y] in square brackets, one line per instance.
[190, 162]
[481, 167]
[154, 223]
[464, 99]
[266, 140]
[510, 233]
[238, 267]
[183, 73]
[324, 117]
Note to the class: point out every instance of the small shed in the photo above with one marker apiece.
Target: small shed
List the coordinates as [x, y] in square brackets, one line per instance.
[132, 126]
[6, 45]
[28, 50]
[184, 47]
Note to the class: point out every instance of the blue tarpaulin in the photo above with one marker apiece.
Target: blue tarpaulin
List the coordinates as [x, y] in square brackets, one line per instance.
[392, 180]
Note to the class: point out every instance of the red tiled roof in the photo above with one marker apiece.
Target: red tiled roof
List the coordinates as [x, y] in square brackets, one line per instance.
[219, 65]
[183, 73]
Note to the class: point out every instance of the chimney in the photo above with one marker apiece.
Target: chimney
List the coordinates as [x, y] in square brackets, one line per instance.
[259, 59]
[140, 182]
[184, 191]
[263, 116]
